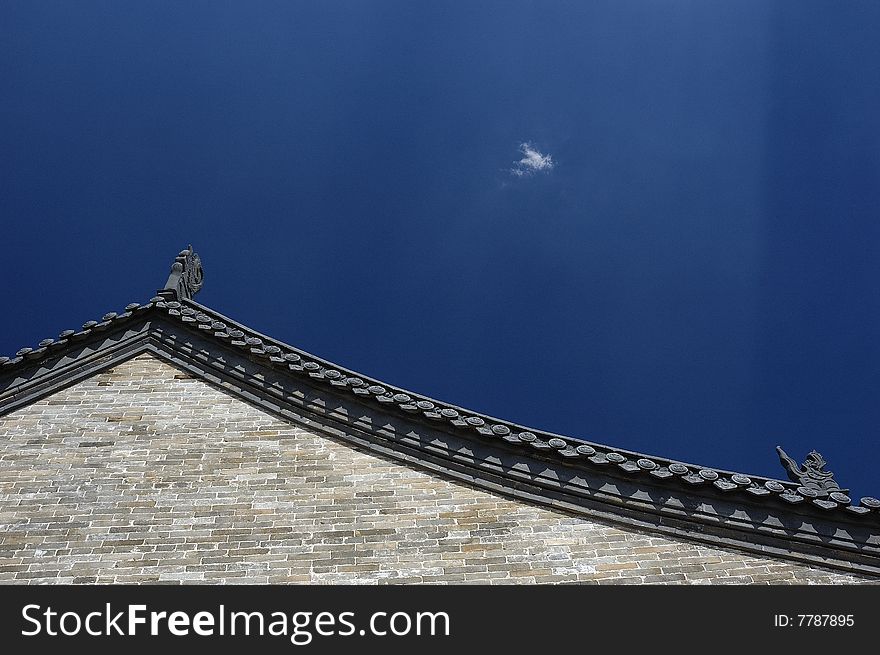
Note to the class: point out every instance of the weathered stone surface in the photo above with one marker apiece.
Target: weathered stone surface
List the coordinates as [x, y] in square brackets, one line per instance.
[142, 474]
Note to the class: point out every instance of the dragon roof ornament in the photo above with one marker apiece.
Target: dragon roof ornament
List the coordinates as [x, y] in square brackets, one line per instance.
[812, 477]
[186, 277]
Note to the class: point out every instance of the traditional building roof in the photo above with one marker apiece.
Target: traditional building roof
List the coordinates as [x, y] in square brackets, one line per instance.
[808, 519]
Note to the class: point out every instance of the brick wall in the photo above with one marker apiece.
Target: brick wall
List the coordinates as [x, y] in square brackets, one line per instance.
[141, 474]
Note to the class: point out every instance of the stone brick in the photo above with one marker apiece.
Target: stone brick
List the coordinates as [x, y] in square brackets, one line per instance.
[142, 474]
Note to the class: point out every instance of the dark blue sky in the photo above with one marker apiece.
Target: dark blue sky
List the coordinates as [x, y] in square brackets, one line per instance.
[695, 276]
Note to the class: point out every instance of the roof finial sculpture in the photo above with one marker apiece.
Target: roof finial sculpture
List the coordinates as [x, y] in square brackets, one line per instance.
[811, 474]
[186, 276]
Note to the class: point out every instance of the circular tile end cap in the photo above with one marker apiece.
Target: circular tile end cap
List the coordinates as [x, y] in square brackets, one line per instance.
[840, 497]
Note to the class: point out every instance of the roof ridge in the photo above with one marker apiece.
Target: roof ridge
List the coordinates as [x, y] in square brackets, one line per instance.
[568, 448]
[571, 450]
[393, 389]
[799, 520]
[49, 345]
[809, 519]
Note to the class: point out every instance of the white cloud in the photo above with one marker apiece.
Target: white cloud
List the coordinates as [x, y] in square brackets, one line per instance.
[532, 161]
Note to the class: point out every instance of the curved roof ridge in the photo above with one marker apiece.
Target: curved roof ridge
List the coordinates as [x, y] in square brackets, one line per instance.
[820, 525]
[464, 410]
[563, 447]
[408, 402]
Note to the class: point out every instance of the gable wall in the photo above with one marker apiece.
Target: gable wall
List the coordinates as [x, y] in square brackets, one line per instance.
[142, 474]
